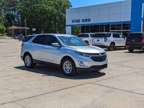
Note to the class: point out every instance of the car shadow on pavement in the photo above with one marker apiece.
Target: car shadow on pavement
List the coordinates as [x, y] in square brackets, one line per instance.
[55, 71]
[136, 52]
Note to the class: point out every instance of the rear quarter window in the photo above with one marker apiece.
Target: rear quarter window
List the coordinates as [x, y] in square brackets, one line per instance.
[27, 38]
[135, 36]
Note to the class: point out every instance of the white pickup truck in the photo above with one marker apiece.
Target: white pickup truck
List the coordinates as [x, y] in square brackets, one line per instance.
[108, 40]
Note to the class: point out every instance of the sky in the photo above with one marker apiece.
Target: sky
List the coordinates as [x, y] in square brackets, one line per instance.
[81, 3]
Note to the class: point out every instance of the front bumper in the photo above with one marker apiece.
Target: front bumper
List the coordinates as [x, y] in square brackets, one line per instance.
[93, 68]
[89, 63]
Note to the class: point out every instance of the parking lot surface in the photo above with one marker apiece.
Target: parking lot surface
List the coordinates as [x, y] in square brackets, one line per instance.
[119, 86]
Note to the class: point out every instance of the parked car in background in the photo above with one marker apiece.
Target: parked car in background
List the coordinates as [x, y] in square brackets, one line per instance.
[68, 51]
[86, 37]
[135, 41]
[108, 40]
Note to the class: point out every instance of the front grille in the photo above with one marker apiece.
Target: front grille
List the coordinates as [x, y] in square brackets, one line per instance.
[95, 54]
[99, 58]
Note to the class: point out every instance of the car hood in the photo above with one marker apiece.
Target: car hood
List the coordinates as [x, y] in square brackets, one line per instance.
[87, 49]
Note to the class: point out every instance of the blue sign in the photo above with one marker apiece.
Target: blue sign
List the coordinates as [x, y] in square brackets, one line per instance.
[136, 16]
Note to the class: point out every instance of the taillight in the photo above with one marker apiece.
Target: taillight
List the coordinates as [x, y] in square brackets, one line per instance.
[143, 40]
[127, 42]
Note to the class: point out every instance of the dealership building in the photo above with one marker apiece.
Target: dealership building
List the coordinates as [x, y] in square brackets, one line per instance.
[123, 17]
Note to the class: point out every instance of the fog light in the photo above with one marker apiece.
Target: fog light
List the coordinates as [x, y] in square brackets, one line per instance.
[81, 63]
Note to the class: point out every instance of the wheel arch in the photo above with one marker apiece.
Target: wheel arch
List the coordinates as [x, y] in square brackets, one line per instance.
[67, 57]
[113, 43]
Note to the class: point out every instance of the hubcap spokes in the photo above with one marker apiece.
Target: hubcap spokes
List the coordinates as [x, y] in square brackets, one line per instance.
[67, 67]
[27, 61]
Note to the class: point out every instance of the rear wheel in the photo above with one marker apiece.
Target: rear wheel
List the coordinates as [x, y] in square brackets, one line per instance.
[28, 61]
[130, 50]
[112, 47]
[68, 67]
[87, 42]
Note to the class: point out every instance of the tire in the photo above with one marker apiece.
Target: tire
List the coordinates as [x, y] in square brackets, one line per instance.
[28, 61]
[68, 67]
[130, 50]
[112, 47]
[87, 42]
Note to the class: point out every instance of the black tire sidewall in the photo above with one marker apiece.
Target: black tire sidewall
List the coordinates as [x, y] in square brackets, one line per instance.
[112, 47]
[130, 50]
[31, 61]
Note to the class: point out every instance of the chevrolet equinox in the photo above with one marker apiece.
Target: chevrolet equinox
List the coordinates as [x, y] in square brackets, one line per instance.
[68, 51]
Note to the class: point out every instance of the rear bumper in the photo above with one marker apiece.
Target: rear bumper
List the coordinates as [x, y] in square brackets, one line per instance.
[135, 46]
[93, 68]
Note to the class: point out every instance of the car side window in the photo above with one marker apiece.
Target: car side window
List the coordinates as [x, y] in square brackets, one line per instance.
[39, 40]
[116, 35]
[45, 40]
[49, 40]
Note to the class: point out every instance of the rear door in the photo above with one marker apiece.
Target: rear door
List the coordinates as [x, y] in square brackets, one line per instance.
[119, 39]
[44, 50]
[122, 40]
[38, 48]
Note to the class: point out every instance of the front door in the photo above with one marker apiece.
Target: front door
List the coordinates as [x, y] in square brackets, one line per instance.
[52, 52]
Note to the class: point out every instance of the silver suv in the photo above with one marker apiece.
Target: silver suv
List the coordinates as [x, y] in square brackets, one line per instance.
[67, 51]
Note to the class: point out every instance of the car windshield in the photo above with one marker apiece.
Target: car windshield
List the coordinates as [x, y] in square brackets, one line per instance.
[72, 41]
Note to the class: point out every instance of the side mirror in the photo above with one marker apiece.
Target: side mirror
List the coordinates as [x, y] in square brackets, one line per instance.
[56, 45]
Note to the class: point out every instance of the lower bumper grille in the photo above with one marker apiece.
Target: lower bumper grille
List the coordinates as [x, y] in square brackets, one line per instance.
[99, 58]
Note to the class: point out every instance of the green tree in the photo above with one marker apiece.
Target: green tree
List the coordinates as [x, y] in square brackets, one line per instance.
[45, 15]
[1, 11]
[7, 11]
[2, 29]
[9, 19]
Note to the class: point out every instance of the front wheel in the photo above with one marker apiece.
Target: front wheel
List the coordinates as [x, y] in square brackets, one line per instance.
[68, 67]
